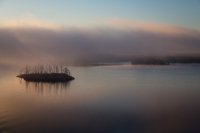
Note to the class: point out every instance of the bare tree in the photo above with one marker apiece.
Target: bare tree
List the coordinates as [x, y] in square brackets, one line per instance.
[66, 70]
[27, 69]
[40, 69]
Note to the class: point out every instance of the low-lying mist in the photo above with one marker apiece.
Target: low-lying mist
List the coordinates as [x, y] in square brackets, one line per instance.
[20, 46]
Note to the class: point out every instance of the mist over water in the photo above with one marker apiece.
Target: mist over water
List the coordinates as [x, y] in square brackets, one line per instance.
[126, 98]
[21, 46]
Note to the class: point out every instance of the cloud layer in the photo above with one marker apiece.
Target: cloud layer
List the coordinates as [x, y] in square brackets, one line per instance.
[117, 41]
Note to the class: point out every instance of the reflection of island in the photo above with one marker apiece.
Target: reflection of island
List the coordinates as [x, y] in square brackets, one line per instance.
[40, 88]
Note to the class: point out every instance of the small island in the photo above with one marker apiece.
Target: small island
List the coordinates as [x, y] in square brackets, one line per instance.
[49, 73]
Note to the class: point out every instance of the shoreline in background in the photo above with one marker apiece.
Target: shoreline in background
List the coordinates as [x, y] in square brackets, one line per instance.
[148, 61]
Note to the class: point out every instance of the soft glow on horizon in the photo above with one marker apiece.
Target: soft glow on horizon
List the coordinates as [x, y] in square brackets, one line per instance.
[87, 12]
[29, 23]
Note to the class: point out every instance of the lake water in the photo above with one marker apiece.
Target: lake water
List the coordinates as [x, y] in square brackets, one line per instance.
[105, 99]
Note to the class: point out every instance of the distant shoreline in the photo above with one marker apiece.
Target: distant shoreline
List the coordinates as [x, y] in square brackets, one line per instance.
[165, 61]
[152, 61]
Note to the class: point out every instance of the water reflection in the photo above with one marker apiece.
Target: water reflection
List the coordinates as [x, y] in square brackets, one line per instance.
[46, 88]
[105, 99]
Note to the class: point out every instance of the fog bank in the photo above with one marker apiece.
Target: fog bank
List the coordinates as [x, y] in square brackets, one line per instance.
[20, 46]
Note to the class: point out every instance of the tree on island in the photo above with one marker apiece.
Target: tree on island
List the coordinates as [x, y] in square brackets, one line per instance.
[48, 69]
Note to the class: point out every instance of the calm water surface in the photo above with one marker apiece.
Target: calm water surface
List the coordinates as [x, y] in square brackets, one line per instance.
[111, 99]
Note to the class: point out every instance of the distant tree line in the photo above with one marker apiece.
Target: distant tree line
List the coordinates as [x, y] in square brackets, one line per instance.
[41, 69]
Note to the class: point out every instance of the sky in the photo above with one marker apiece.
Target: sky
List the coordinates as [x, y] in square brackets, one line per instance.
[184, 13]
[68, 31]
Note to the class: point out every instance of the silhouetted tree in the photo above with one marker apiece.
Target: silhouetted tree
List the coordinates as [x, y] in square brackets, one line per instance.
[40, 69]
